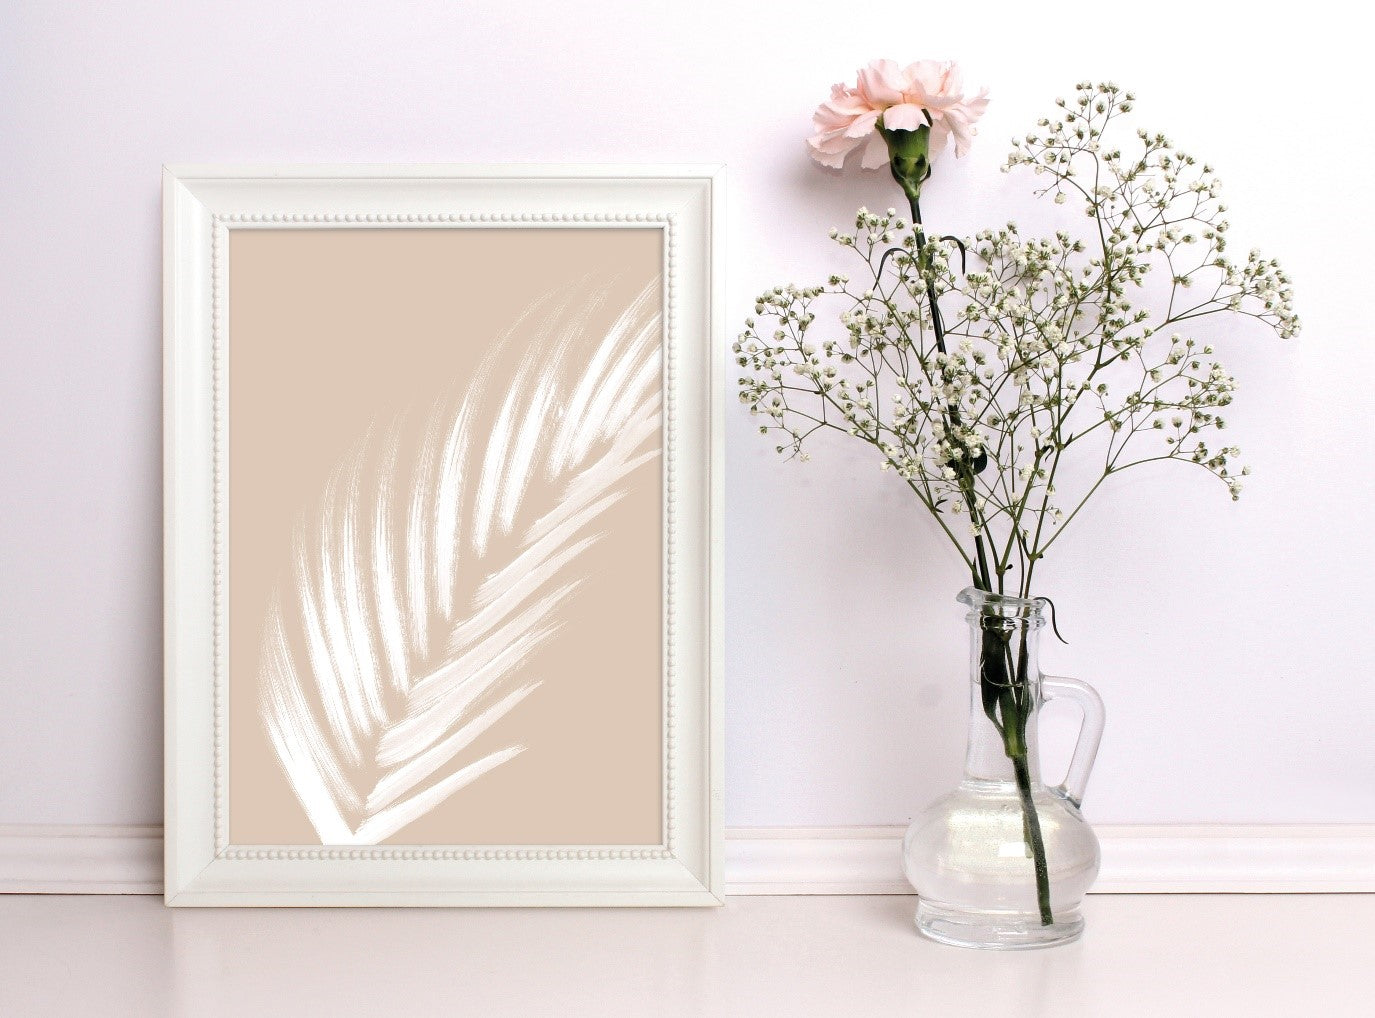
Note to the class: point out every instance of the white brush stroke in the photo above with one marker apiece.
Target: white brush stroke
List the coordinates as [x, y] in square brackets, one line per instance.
[377, 671]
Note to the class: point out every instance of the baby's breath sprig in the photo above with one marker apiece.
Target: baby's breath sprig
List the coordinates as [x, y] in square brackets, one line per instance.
[974, 387]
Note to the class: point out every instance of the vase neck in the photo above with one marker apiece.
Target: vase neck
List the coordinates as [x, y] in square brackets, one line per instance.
[1004, 636]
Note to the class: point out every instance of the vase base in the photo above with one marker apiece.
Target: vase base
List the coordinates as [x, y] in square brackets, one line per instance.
[996, 931]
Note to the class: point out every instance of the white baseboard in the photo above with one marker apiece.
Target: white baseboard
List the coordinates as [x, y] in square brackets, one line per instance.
[1165, 858]
[1137, 859]
[73, 859]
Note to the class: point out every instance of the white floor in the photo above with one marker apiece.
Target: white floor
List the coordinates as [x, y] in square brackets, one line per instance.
[1156, 955]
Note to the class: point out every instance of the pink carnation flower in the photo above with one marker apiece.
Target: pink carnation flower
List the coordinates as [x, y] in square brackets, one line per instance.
[928, 92]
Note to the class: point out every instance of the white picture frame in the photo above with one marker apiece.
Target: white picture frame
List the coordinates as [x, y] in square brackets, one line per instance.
[203, 206]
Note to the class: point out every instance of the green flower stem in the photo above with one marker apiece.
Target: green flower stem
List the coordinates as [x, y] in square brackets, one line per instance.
[1003, 694]
[1006, 691]
[911, 186]
[1007, 700]
[1031, 827]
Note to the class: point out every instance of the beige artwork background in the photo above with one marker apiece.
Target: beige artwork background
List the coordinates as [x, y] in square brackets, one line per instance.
[337, 334]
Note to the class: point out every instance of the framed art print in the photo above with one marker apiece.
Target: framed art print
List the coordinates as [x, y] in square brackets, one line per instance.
[442, 536]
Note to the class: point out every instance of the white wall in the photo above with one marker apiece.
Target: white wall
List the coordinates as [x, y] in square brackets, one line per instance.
[1231, 642]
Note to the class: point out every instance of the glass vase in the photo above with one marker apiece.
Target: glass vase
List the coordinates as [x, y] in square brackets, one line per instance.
[1004, 860]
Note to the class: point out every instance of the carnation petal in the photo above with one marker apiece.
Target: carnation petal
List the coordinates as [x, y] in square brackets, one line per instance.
[834, 160]
[977, 105]
[833, 142]
[904, 117]
[875, 152]
[960, 121]
[963, 135]
[961, 130]
[827, 119]
[940, 132]
[952, 80]
[928, 76]
[862, 125]
[882, 83]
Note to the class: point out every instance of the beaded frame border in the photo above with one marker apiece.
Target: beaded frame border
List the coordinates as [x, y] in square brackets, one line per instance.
[221, 224]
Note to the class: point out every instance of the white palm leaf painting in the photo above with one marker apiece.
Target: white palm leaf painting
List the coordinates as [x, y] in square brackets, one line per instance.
[383, 661]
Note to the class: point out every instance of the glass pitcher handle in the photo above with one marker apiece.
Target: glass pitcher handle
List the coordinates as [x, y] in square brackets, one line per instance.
[1090, 731]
